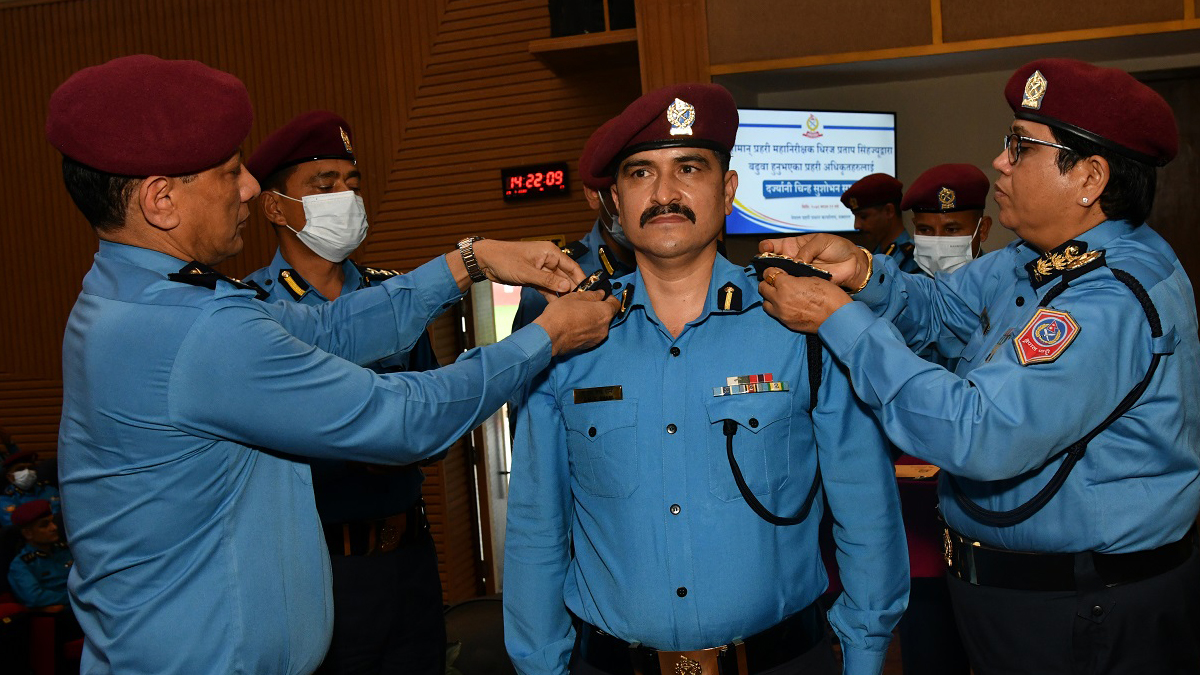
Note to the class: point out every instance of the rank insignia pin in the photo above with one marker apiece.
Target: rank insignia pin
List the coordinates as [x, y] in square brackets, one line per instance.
[946, 198]
[853, 203]
[681, 115]
[1035, 90]
[346, 140]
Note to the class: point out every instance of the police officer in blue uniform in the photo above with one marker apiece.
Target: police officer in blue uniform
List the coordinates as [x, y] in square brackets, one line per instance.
[667, 485]
[1066, 434]
[23, 485]
[387, 594]
[38, 575]
[187, 399]
[875, 202]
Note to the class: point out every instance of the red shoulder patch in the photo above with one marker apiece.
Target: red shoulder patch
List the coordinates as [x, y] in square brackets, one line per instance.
[1045, 337]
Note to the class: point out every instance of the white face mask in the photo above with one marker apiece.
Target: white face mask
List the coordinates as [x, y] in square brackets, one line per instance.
[24, 479]
[943, 254]
[615, 229]
[336, 223]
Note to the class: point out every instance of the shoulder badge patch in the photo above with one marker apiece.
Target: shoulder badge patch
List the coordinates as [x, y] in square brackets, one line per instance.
[1045, 337]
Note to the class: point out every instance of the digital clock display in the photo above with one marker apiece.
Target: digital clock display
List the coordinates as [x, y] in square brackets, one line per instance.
[531, 182]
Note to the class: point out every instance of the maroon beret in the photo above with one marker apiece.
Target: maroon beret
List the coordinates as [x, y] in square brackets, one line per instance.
[30, 511]
[876, 189]
[604, 180]
[948, 187]
[678, 116]
[1103, 105]
[317, 134]
[142, 116]
[29, 456]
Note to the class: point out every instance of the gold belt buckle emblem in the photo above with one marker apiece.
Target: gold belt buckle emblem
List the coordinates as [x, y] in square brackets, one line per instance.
[686, 666]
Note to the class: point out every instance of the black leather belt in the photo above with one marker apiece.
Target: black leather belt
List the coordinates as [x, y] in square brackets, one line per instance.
[772, 647]
[372, 537]
[983, 565]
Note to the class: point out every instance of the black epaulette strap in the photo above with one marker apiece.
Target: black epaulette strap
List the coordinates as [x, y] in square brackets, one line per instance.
[1074, 452]
[729, 428]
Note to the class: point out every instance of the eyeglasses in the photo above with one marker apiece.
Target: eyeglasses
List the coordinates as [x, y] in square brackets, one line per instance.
[1012, 143]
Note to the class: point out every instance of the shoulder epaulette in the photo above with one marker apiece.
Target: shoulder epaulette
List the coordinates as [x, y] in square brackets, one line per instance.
[199, 274]
[576, 249]
[29, 557]
[907, 249]
[376, 274]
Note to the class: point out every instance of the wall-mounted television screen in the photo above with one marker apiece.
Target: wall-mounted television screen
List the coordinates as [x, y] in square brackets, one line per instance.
[793, 165]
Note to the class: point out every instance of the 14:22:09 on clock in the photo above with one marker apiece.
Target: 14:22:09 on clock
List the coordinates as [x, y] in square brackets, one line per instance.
[534, 181]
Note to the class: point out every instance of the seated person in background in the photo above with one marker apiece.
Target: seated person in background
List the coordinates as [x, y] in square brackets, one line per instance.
[38, 575]
[23, 485]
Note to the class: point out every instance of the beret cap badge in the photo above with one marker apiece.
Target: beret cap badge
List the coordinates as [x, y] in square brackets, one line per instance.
[346, 140]
[946, 198]
[1035, 89]
[681, 115]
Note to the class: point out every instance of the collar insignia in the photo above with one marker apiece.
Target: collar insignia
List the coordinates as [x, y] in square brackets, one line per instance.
[199, 274]
[295, 285]
[681, 115]
[346, 140]
[729, 298]
[946, 198]
[1070, 259]
[1035, 90]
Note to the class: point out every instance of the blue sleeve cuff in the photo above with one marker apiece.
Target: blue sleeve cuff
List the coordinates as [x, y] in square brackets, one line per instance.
[535, 342]
[434, 284]
[876, 290]
[862, 661]
[843, 328]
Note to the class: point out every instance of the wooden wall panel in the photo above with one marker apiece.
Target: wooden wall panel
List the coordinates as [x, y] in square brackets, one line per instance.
[440, 93]
[672, 42]
[778, 29]
[972, 20]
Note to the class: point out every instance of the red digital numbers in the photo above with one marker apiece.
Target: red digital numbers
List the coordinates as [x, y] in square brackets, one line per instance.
[532, 181]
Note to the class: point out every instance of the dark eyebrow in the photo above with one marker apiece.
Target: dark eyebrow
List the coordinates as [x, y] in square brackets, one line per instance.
[630, 163]
[1016, 128]
[697, 158]
[324, 175]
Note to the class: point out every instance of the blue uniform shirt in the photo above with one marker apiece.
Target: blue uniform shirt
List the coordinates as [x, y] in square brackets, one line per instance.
[532, 303]
[350, 491]
[196, 539]
[12, 497]
[39, 578]
[640, 489]
[995, 423]
[901, 250]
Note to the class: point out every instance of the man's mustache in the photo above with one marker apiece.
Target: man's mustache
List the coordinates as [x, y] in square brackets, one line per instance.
[664, 209]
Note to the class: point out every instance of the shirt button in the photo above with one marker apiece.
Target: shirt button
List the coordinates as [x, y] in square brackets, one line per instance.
[675, 509]
[671, 428]
[753, 422]
[1020, 301]
[616, 284]
[674, 351]
[592, 431]
[1097, 610]
[681, 591]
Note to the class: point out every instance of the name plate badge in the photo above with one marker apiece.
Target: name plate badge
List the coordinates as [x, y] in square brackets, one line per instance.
[594, 394]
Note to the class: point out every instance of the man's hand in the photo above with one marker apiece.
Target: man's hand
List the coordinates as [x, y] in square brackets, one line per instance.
[801, 304]
[578, 320]
[843, 259]
[540, 264]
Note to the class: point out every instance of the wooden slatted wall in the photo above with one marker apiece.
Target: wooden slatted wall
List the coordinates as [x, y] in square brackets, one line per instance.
[441, 94]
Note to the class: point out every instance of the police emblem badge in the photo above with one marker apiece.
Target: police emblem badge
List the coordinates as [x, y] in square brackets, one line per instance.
[1045, 337]
[346, 140]
[681, 115]
[946, 198]
[852, 202]
[1035, 89]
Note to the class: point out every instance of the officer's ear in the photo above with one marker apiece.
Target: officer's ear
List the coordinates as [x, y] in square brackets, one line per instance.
[985, 225]
[1094, 174]
[269, 203]
[155, 198]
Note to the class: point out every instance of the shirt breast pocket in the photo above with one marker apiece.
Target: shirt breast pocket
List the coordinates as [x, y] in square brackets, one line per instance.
[761, 443]
[602, 446]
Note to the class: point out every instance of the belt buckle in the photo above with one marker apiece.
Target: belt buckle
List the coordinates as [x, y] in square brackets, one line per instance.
[695, 662]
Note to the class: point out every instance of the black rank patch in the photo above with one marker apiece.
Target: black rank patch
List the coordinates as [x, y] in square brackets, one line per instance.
[199, 274]
[764, 261]
[576, 249]
[1069, 260]
[729, 298]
